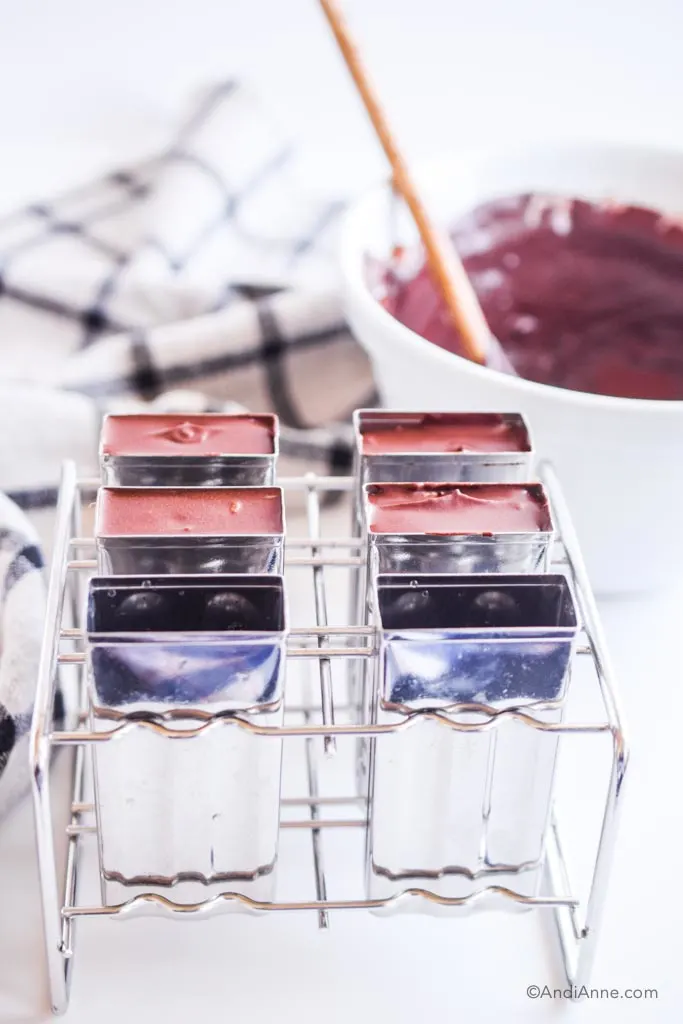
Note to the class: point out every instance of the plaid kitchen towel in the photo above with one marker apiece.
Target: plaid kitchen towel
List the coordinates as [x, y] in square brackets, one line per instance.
[199, 280]
[21, 625]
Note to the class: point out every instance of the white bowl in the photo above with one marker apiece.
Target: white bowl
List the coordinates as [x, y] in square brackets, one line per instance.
[620, 460]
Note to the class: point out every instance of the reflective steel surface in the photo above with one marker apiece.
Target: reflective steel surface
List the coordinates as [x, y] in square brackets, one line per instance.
[456, 807]
[182, 813]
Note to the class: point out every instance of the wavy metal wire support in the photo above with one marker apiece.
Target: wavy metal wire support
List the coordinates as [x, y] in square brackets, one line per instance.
[576, 924]
[154, 905]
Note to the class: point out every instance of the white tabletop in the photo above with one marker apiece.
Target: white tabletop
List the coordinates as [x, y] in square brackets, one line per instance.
[88, 86]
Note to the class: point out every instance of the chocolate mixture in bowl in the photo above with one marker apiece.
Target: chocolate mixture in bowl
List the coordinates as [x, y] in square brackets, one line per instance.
[582, 295]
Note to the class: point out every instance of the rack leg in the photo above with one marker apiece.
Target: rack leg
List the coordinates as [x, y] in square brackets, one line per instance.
[314, 793]
[578, 950]
[325, 665]
[58, 964]
[77, 596]
[320, 881]
[73, 849]
[579, 962]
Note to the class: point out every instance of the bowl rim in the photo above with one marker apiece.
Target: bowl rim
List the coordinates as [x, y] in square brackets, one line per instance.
[351, 253]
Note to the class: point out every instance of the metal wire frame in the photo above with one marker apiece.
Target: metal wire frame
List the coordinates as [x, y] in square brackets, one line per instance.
[577, 925]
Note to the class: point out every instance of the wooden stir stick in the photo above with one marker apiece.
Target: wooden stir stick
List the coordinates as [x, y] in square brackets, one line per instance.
[443, 260]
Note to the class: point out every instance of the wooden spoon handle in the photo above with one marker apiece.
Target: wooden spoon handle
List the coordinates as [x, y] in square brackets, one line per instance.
[442, 258]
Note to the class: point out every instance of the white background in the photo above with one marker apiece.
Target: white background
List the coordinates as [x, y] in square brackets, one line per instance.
[84, 82]
[85, 85]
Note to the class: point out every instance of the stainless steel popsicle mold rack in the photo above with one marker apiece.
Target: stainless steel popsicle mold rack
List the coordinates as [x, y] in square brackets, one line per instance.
[321, 802]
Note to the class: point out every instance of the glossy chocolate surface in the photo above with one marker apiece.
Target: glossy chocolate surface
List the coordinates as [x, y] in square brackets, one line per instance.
[442, 433]
[581, 295]
[463, 509]
[189, 511]
[203, 434]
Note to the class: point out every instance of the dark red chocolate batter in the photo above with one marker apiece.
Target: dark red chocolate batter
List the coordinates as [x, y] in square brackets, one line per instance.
[583, 296]
[442, 432]
[176, 435]
[198, 511]
[447, 509]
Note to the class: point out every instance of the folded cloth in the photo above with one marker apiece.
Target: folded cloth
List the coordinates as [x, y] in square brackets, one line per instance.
[22, 607]
[200, 279]
[207, 269]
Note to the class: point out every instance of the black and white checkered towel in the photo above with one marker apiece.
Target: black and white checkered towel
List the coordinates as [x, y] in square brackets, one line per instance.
[199, 279]
[22, 606]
